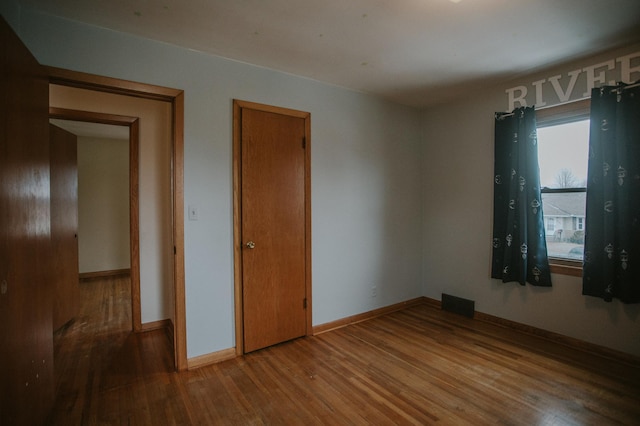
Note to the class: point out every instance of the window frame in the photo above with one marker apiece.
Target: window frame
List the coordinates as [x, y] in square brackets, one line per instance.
[551, 116]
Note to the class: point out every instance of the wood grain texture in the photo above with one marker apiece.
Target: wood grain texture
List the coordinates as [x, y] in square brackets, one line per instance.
[180, 318]
[365, 316]
[255, 174]
[134, 223]
[237, 224]
[164, 324]
[82, 80]
[100, 274]
[419, 365]
[555, 338]
[273, 217]
[63, 158]
[91, 117]
[26, 349]
[212, 358]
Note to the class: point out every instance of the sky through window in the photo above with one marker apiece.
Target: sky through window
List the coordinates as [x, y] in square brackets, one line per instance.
[563, 149]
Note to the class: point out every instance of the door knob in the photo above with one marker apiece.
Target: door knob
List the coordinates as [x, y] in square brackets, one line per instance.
[251, 244]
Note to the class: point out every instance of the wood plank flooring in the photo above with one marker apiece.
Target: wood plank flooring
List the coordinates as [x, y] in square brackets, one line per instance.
[417, 366]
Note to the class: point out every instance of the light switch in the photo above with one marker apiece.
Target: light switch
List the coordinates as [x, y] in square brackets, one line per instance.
[193, 213]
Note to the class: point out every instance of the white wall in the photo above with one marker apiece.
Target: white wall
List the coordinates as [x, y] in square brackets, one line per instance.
[457, 224]
[366, 174]
[103, 204]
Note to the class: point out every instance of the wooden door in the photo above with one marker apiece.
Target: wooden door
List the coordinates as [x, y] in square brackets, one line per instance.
[26, 334]
[273, 227]
[64, 223]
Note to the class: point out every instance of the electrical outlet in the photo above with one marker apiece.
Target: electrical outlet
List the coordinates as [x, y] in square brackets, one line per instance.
[374, 291]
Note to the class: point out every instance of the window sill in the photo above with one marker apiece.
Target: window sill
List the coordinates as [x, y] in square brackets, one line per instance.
[565, 267]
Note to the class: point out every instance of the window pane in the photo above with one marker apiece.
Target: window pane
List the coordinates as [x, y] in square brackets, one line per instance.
[564, 219]
[563, 153]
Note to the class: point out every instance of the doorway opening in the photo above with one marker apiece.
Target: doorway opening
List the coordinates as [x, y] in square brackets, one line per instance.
[104, 245]
[174, 99]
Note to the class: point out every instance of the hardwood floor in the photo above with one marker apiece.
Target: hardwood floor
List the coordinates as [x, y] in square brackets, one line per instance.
[416, 366]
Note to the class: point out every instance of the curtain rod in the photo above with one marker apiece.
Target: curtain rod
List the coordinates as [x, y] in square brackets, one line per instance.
[509, 114]
[625, 87]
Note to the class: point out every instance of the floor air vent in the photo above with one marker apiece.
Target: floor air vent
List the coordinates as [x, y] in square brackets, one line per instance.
[458, 305]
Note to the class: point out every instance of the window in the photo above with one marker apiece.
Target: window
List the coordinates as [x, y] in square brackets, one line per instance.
[563, 146]
[551, 224]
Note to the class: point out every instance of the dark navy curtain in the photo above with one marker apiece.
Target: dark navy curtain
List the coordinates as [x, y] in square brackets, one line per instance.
[612, 235]
[519, 244]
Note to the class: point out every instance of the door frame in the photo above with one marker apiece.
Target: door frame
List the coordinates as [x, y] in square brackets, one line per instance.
[133, 123]
[238, 106]
[175, 98]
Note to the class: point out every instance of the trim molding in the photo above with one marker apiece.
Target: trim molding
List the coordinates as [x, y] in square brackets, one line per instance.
[323, 328]
[65, 77]
[565, 267]
[100, 274]
[165, 324]
[212, 358]
[157, 325]
[551, 336]
[622, 357]
[170, 332]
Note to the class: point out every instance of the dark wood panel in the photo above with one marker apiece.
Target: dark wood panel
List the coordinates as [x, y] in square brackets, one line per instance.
[419, 365]
[64, 223]
[26, 348]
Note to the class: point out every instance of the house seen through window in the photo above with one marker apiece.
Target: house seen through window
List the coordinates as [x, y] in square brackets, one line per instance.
[563, 146]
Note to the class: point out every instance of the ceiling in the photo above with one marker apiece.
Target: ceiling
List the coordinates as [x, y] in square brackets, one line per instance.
[93, 130]
[415, 52]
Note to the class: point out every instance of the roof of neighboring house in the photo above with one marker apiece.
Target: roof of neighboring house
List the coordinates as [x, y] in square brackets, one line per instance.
[566, 204]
